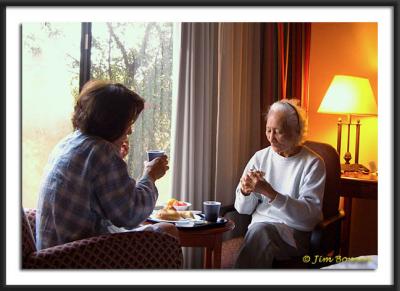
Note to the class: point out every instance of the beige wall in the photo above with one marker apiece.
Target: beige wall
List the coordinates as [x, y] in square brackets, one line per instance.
[347, 49]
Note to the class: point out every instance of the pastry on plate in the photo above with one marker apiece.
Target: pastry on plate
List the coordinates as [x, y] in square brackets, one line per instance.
[186, 214]
[168, 213]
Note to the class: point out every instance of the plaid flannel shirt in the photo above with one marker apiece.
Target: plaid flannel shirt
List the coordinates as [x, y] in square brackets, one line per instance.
[86, 189]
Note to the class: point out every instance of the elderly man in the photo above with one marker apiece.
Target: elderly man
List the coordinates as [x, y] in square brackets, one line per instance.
[282, 188]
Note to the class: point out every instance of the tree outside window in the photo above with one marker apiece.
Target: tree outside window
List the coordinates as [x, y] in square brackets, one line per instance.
[138, 55]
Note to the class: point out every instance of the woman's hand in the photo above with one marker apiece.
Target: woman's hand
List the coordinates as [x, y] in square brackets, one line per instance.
[246, 185]
[124, 150]
[156, 168]
[260, 185]
[248, 182]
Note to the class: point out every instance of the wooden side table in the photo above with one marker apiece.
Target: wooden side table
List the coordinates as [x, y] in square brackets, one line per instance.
[354, 185]
[210, 238]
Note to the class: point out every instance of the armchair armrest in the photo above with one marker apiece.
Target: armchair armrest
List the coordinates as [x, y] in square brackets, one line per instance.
[331, 220]
[226, 208]
[242, 221]
[130, 250]
[323, 226]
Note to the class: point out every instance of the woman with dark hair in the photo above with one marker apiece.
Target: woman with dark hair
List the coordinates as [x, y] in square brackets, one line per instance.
[86, 189]
[282, 187]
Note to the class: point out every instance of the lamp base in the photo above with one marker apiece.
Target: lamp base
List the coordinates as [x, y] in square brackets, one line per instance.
[354, 168]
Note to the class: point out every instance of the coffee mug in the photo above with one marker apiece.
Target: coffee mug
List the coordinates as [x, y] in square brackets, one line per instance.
[211, 210]
[152, 154]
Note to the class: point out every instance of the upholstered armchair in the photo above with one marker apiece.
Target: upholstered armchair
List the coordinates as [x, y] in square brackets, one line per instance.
[325, 238]
[128, 250]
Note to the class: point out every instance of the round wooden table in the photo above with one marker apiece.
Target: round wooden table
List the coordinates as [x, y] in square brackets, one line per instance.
[209, 238]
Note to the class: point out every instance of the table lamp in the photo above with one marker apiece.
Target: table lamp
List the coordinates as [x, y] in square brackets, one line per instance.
[351, 96]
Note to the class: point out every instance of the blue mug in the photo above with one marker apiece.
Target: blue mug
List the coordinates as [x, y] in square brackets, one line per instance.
[211, 210]
[152, 154]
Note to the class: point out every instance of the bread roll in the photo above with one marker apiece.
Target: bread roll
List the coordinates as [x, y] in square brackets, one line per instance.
[168, 214]
[186, 214]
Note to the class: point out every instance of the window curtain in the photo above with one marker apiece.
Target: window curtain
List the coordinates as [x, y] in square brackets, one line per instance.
[192, 148]
[216, 126]
[239, 111]
[285, 65]
[195, 113]
[229, 74]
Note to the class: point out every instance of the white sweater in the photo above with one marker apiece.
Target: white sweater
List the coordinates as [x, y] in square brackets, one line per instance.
[300, 182]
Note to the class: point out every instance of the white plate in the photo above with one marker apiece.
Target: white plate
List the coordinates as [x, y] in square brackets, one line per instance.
[182, 221]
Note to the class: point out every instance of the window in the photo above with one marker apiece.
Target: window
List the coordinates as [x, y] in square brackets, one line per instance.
[50, 66]
[139, 55]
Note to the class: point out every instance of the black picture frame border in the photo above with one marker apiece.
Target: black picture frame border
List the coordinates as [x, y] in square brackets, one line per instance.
[210, 3]
[200, 3]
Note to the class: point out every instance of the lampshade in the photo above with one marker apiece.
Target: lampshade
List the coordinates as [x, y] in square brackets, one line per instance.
[349, 95]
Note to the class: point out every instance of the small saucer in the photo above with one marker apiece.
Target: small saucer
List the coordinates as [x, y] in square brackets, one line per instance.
[184, 223]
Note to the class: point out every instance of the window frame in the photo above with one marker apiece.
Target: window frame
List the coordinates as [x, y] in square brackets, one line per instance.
[86, 46]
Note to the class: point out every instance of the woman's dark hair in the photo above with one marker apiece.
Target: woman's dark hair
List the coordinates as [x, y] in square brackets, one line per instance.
[106, 109]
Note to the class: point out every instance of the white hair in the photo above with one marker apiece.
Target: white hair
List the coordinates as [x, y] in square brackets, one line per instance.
[295, 117]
